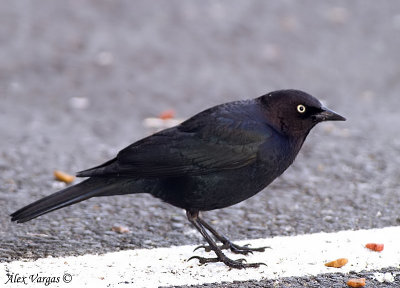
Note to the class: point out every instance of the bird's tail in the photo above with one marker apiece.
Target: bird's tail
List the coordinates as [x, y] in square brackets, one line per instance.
[86, 189]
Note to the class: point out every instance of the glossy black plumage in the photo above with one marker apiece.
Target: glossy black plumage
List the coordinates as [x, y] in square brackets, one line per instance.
[215, 159]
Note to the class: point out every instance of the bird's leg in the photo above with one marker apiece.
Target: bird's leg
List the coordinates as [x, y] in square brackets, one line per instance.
[239, 264]
[226, 243]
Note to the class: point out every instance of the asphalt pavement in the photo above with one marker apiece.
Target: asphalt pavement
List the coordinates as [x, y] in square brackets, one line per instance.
[78, 78]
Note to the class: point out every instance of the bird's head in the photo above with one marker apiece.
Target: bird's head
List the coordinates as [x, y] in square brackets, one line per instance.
[293, 112]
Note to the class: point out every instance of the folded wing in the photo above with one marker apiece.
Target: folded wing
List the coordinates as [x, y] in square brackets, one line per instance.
[195, 147]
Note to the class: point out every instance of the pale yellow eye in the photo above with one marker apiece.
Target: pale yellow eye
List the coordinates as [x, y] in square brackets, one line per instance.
[301, 108]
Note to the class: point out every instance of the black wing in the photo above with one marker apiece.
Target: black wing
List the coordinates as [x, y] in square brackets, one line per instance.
[214, 140]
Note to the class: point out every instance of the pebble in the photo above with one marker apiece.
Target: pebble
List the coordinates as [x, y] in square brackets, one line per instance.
[79, 102]
[384, 277]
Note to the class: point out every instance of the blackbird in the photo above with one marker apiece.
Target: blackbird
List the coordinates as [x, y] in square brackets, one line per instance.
[215, 159]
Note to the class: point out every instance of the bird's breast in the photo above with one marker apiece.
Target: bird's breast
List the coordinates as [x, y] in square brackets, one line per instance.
[276, 155]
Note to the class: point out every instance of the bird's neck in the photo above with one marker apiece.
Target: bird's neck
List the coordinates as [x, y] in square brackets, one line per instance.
[297, 139]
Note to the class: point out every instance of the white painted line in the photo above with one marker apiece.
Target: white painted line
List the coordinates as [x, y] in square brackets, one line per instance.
[302, 255]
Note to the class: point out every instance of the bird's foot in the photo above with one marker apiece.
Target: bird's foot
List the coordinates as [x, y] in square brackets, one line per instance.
[237, 264]
[206, 248]
[245, 250]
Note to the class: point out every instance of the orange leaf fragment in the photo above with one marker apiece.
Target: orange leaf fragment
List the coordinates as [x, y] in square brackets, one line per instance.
[374, 247]
[64, 177]
[167, 114]
[356, 282]
[337, 263]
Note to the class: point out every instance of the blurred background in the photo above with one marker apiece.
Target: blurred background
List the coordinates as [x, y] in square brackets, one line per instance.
[77, 79]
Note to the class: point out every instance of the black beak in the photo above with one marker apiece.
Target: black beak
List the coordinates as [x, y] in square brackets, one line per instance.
[327, 115]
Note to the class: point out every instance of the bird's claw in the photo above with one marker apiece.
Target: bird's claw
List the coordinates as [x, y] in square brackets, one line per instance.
[205, 247]
[204, 260]
[238, 264]
[244, 250]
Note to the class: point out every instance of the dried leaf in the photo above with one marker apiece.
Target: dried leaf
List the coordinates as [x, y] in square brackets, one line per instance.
[374, 247]
[356, 282]
[167, 114]
[64, 177]
[337, 263]
[120, 229]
